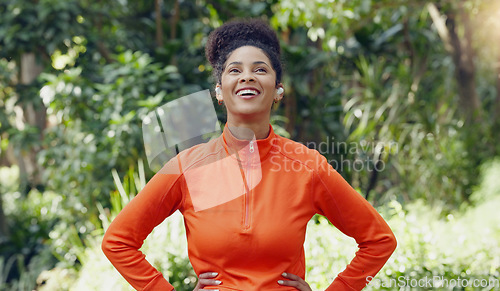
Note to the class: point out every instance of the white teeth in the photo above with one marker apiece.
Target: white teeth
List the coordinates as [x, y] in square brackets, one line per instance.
[247, 91]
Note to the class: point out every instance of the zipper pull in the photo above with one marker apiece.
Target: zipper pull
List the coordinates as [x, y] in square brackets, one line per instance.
[251, 146]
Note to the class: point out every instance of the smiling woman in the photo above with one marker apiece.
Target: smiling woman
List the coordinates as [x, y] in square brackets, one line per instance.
[246, 56]
[249, 89]
[245, 214]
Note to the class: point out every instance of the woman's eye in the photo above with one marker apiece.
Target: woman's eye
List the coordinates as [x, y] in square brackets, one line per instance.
[233, 70]
[261, 70]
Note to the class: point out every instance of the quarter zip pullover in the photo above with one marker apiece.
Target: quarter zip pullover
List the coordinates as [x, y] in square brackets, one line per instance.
[246, 205]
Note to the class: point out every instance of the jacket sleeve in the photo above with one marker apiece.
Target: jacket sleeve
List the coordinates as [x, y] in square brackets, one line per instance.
[354, 216]
[161, 197]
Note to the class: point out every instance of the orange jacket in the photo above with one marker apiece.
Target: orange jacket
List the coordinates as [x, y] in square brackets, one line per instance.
[246, 207]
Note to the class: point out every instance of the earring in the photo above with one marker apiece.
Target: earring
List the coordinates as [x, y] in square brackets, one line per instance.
[220, 102]
[279, 91]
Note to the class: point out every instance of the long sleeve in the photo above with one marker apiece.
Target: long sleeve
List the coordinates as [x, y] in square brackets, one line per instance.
[161, 197]
[355, 217]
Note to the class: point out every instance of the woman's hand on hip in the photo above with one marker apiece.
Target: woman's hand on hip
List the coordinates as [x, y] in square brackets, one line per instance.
[206, 279]
[294, 281]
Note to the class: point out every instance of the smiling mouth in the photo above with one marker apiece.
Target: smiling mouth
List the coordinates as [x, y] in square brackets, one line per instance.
[247, 93]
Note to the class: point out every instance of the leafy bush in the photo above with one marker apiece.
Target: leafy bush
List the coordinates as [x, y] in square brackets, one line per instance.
[163, 248]
[462, 245]
[24, 252]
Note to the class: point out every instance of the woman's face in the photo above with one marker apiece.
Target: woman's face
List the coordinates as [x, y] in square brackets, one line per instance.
[248, 84]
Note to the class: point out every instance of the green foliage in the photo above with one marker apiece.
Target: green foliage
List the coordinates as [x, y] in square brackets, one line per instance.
[101, 129]
[163, 248]
[402, 138]
[462, 245]
[24, 254]
[26, 24]
[7, 92]
[374, 76]
[370, 77]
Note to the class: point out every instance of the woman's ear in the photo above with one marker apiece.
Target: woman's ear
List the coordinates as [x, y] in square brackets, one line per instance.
[280, 91]
[218, 93]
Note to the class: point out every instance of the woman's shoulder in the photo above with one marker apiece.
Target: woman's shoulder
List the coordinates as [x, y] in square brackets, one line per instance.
[194, 155]
[200, 152]
[299, 152]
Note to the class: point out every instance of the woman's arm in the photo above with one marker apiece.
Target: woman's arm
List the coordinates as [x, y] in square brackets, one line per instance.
[355, 217]
[161, 197]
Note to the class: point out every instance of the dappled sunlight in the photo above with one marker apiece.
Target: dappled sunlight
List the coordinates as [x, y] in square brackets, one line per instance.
[402, 98]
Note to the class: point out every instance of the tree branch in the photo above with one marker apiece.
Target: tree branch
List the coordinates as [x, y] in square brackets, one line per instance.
[497, 101]
[159, 26]
[440, 24]
[174, 21]
[463, 58]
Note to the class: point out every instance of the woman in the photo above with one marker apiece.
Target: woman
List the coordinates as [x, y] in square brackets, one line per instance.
[247, 196]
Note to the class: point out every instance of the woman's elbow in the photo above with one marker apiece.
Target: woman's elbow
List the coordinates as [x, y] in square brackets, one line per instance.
[107, 244]
[391, 243]
[394, 242]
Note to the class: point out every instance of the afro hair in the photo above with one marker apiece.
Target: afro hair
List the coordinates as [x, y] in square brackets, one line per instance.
[237, 33]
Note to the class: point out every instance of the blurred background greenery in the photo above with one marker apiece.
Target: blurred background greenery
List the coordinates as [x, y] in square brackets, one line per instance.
[408, 87]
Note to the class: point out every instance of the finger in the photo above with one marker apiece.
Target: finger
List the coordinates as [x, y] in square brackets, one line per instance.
[294, 281]
[289, 283]
[293, 277]
[209, 282]
[297, 285]
[208, 275]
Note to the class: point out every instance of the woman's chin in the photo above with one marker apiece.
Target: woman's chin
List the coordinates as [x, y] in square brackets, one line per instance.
[249, 111]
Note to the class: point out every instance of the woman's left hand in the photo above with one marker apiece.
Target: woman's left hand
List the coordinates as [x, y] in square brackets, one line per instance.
[294, 281]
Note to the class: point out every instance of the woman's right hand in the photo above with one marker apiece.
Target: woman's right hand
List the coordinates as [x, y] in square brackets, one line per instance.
[205, 280]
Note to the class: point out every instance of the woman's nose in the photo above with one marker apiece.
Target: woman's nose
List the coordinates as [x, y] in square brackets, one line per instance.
[246, 77]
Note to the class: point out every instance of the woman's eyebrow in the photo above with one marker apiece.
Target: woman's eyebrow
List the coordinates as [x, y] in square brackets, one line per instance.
[260, 62]
[255, 63]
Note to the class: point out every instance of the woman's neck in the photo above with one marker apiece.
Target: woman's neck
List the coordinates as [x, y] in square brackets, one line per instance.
[247, 130]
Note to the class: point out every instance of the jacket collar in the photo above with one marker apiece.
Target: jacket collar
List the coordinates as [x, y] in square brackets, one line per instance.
[248, 149]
